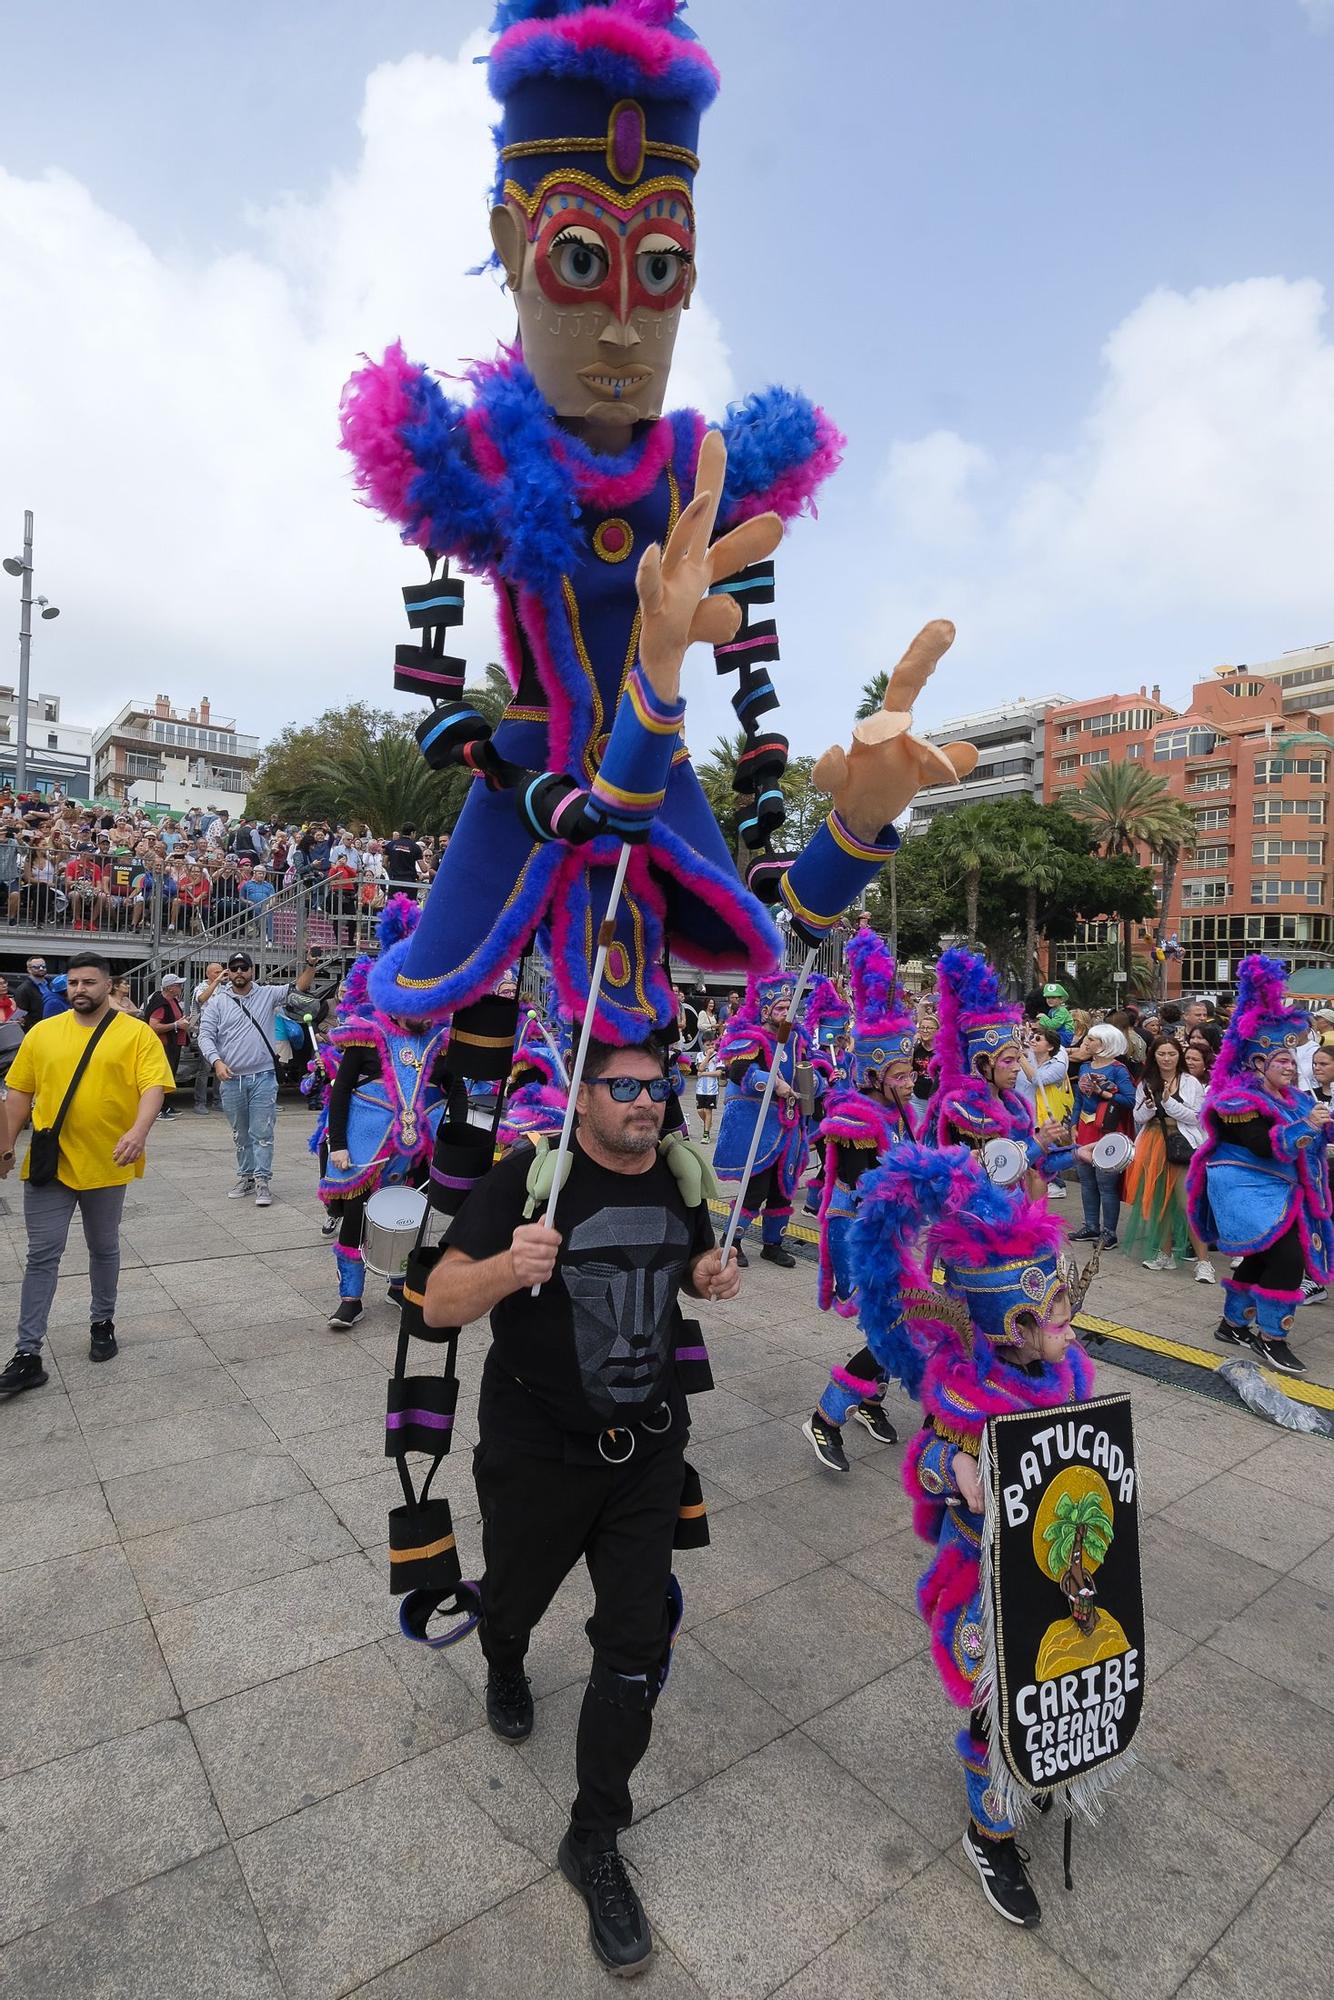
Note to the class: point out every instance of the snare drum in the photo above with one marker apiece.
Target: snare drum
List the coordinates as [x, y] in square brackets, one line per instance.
[1113, 1152]
[393, 1218]
[1005, 1160]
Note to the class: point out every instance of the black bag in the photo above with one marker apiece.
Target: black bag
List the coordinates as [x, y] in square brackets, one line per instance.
[280, 1068]
[1180, 1152]
[44, 1149]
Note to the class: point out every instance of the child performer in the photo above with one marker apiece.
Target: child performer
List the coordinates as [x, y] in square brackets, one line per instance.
[858, 1125]
[995, 1337]
[1259, 1185]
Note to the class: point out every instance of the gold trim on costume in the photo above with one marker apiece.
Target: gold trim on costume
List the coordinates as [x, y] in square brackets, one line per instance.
[665, 184]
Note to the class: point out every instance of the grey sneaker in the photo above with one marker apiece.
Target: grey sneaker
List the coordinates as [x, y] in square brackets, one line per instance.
[243, 1187]
[263, 1195]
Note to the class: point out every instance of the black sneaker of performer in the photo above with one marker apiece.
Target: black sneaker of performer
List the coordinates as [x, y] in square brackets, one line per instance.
[827, 1442]
[1004, 1879]
[329, 1226]
[742, 1260]
[871, 1416]
[24, 1371]
[618, 1930]
[509, 1704]
[1276, 1354]
[778, 1253]
[1233, 1336]
[101, 1340]
[1313, 1292]
[345, 1314]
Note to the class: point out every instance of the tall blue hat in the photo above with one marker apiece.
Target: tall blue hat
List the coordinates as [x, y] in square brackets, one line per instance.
[607, 92]
[882, 1030]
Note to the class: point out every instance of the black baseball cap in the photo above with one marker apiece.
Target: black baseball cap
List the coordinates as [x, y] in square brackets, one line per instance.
[240, 961]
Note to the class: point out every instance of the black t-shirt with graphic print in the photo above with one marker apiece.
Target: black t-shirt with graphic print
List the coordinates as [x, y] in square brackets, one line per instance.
[595, 1348]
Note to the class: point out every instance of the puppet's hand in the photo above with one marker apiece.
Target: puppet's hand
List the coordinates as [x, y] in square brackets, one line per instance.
[885, 767]
[674, 582]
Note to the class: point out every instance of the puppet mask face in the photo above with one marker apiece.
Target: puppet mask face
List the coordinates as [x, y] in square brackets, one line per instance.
[600, 287]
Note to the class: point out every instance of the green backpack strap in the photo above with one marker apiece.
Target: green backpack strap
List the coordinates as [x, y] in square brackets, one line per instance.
[691, 1169]
[542, 1176]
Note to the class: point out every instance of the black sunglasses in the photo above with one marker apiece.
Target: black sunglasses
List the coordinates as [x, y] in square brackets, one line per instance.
[627, 1089]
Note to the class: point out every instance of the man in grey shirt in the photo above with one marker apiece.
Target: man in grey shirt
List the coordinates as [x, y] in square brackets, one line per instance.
[11, 870]
[238, 1039]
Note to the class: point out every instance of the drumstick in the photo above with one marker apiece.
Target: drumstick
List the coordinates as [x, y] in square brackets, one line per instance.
[606, 933]
[766, 1100]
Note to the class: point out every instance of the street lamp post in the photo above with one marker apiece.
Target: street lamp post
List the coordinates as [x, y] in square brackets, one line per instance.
[22, 567]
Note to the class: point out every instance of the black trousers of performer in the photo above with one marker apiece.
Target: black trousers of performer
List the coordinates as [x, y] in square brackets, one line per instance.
[1280, 1268]
[539, 1515]
[765, 1196]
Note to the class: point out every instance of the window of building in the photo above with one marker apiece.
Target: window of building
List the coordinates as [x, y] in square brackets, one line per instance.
[1210, 818]
[50, 712]
[1134, 749]
[1067, 767]
[52, 740]
[1209, 781]
[1274, 888]
[1208, 889]
[1266, 852]
[1174, 744]
[1210, 857]
[1096, 757]
[1066, 730]
[1307, 676]
[1273, 770]
[1122, 721]
[1269, 811]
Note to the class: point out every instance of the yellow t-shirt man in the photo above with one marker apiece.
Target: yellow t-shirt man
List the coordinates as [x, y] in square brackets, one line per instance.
[127, 1061]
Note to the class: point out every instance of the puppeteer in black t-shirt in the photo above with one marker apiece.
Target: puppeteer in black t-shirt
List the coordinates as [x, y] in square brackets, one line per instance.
[595, 1348]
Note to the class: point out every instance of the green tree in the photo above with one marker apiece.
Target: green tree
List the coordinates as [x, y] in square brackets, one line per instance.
[1037, 867]
[969, 840]
[873, 695]
[362, 764]
[1078, 1525]
[1127, 809]
[805, 806]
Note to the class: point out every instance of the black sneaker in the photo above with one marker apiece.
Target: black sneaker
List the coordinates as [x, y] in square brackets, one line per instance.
[1313, 1293]
[618, 1930]
[1004, 1879]
[1276, 1354]
[1232, 1336]
[776, 1253]
[25, 1371]
[394, 1294]
[826, 1442]
[1109, 1242]
[345, 1314]
[102, 1340]
[742, 1260]
[509, 1705]
[1084, 1236]
[330, 1225]
[872, 1418]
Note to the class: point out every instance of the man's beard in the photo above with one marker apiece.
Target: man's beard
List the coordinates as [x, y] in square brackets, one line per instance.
[81, 1003]
[632, 1140]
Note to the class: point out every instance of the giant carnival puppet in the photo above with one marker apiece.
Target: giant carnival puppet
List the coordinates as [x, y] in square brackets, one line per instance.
[1258, 1187]
[974, 1066]
[859, 1124]
[615, 536]
[389, 1092]
[966, 1302]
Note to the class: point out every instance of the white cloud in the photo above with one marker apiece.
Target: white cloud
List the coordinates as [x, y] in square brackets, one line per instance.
[172, 420]
[1198, 492]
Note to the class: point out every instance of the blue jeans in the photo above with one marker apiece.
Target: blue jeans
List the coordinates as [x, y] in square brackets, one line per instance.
[1100, 1189]
[251, 1103]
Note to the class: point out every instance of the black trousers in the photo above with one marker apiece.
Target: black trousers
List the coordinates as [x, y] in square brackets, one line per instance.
[1280, 1268]
[539, 1515]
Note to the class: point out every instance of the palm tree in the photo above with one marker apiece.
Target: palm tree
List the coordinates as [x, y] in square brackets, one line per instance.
[385, 781]
[1037, 867]
[967, 842]
[1126, 807]
[873, 695]
[715, 777]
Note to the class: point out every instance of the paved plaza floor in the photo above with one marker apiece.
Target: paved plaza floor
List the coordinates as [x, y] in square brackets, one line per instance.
[224, 1774]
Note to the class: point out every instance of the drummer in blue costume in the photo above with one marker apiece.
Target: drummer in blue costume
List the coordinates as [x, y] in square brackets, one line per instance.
[748, 1047]
[389, 1093]
[1258, 1188]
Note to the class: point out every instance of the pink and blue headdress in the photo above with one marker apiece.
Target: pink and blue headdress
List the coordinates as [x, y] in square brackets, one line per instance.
[882, 1031]
[614, 89]
[1262, 1022]
[974, 1020]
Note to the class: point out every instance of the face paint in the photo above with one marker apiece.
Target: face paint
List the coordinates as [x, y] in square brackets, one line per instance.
[600, 295]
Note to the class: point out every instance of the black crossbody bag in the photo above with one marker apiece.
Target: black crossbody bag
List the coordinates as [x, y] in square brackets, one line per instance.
[44, 1149]
[274, 1057]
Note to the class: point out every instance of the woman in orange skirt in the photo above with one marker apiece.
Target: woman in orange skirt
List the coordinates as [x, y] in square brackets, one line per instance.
[1167, 1118]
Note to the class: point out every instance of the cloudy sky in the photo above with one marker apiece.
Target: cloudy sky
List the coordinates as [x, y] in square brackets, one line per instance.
[1059, 268]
